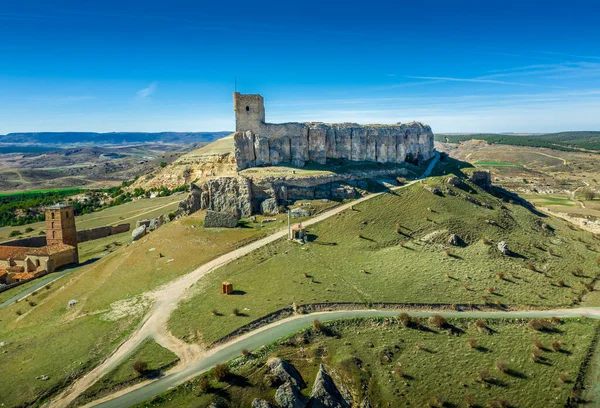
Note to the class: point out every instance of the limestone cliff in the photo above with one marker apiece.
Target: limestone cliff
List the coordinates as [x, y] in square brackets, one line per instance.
[257, 143]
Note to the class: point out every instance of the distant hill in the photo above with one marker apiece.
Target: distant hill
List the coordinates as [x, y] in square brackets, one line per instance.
[61, 138]
[566, 141]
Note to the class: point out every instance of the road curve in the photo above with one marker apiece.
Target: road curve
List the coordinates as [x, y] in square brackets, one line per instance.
[274, 331]
[166, 300]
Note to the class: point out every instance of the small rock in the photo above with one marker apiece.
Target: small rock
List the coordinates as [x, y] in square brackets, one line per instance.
[289, 396]
[455, 240]
[261, 403]
[72, 302]
[138, 233]
[503, 248]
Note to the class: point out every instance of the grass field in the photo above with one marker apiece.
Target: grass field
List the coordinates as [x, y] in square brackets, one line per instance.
[156, 358]
[62, 343]
[358, 256]
[497, 164]
[73, 190]
[383, 362]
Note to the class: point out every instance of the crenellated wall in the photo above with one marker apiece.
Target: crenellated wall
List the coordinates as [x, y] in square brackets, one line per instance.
[258, 143]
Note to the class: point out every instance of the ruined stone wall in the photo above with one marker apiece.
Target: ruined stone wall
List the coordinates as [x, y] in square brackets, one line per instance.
[258, 143]
[101, 232]
[32, 242]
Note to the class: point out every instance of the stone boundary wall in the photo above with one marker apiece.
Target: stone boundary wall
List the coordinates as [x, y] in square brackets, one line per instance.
[32, 242]
[101, 232]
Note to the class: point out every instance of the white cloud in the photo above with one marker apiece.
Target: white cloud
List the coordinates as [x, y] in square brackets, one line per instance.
[147, 91]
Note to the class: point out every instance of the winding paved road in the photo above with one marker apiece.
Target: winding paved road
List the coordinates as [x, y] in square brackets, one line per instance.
[166, 300]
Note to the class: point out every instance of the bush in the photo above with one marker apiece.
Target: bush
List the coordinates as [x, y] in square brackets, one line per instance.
[28, 229]
[236, 311]
[399, 371]
[491, 291]
[502, 366]
[556, 345]
[536, 354]
[405, 319]
[564, 377]
[539, 324]
[501, 275]
[204, 385]
[561, 283]
[163, 164]
[472, 343]
[588, 194]
[215, 312]
[245, 352]
[15, 233]
[140, 367]
[437, 321]
[19, 313]
[317, 326]
[32, 303]
[221, 372]
[481, 324]
[531, 267]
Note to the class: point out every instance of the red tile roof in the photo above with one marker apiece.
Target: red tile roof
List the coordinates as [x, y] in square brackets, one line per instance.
[20, 253]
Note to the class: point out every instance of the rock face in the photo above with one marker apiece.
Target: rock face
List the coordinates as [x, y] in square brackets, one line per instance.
[227, 194]
[482, 178]
[503, 248]
[289, 396]
[193, 201]
[325, 393]
[214, 219]
[269, 207]
[258, 143]
[261, 403]
[138, 233]
[285, 372]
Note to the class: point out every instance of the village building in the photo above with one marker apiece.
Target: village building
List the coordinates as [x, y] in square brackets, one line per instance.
[25, 259]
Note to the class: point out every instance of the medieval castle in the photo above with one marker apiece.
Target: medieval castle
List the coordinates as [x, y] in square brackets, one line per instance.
[258, 143]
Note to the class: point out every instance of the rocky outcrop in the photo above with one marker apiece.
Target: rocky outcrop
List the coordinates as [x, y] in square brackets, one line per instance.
[285, 372]
[290, 396]
[261, 403]
[192, 202]
[482, 178]
[269, 207]
[299, 143]
[138, 233]
[214, 219]
[325, 394]
[227, 194]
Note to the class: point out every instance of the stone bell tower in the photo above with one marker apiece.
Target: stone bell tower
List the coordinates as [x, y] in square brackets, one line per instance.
[60, 225]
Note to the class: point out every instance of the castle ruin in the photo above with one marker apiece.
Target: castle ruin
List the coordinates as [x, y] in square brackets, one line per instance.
[258, 143]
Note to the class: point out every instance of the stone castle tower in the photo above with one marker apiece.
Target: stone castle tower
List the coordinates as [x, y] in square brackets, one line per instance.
[60, 225]
[249, 112]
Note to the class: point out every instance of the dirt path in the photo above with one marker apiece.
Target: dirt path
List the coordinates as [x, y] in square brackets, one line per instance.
[554, 157]
[166, 300]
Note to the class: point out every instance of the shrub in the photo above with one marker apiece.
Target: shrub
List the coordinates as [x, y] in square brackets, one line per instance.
[140, 367]
[589, 286]
[15, 233]
[536, 354]
[486, 241]
[215, 312]
[245, 352]
[470, 401]
[564, 377]
[399, 371]
[236, 311]
[561, 283]
[204, 384]
[163, 164]
[556, 345]
[32, 303]
[588, 194]
[317, 326]
[481, 324]
[502, 366]
[483, 376]
[398, 227]
[539, 324]
[221, 372]
[538, 344]
[555, 320]
[472, 343]
[28, 229]
[531, 267]
[19, 313]
[48, 287]
[501, 275]
[551, 251]
[405, 319]
[421, 346]
[437, 321]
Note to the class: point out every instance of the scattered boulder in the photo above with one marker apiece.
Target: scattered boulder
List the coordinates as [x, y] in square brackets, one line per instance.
[343, 191]
[214, 219]
[138, 233]
[72, 302]
[503, 248]
[289, 396]
[299, 212]
[454, 181]
[261, 403]
[269, 207]
[482, 178]
[145, 223]
[285, 372]
[325, 394]
[155, 223]
[268, 220]
[434, 190]
[455, 240]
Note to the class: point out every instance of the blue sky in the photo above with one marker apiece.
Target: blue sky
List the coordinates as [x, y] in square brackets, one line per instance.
[472, 66]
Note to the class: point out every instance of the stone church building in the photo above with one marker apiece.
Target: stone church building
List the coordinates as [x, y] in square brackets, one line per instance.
[25, 259]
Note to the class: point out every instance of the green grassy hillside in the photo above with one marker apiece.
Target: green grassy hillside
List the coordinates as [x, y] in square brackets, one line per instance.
[379, 360]
[394, 248]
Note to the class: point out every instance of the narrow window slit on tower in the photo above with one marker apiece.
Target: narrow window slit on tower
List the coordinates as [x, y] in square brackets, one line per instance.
[247, 108]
